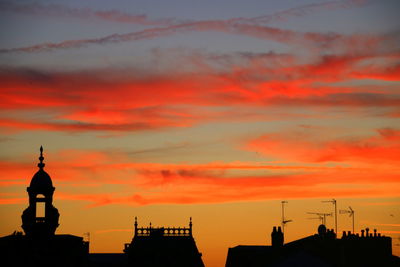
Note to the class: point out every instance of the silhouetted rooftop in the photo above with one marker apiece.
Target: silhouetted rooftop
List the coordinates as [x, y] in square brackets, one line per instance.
[41, 182]
[322, 249]
[163, 247]
[40, 246]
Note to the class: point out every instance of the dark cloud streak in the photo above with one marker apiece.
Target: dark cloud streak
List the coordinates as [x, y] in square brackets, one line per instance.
[253, 27]
[57, 10]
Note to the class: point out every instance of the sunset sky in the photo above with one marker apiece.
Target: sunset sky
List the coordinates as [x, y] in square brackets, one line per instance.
[217, 110]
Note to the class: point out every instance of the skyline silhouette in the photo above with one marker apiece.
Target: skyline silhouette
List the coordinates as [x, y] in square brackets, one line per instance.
[175, 246]
[243, 115]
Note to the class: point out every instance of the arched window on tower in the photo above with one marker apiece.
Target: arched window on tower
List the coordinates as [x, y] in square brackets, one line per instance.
[40, 207]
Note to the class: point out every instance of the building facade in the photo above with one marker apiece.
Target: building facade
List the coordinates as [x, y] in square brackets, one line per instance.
[163, 247]
[40, 246]
[322, 249]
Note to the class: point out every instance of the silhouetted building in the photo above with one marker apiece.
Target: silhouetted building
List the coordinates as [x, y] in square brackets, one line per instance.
[40, 246]
[163, 247]
[40, 191]
[322, 249]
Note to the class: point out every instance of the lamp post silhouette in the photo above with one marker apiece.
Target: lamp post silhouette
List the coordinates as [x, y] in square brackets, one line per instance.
[284, 222]
[333, 201]
[350, 211]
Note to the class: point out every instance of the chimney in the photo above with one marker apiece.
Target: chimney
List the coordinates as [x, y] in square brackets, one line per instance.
[277, 237]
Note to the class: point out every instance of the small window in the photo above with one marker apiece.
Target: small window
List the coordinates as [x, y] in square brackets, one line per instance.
[40, 209]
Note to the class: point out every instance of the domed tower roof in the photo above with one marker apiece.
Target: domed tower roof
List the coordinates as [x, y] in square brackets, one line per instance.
[35, 223]
[41, 182]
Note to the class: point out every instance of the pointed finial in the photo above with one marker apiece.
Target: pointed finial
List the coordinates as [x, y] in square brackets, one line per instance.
[41, 158]
[190, 226]
[136, 225]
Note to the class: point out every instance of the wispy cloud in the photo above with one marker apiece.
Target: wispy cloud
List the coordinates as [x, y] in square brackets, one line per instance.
[313, 8]
[306, 147]
[289, 37]
[83, 100]
[251, 27]
[213, 182]
[58, 10]
[218, 194]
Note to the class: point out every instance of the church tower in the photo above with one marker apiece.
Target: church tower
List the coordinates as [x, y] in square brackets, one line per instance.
[40, 219]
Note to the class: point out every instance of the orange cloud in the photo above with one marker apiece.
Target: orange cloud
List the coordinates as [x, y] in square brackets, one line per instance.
[235, 193]
[382, 148]
[150, 183]
[388, 73]
[121, 100]
[8, 201]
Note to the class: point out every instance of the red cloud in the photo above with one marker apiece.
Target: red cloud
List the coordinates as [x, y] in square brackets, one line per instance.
[381, 149]
[119, 100]
[233, 193]
[201, 183]
[8, 201]
[390, 73]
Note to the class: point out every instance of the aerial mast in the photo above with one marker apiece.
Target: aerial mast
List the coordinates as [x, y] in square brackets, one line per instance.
[284, 222]
[321, 218]
[323, 215]
[351, 214]
[333, 201]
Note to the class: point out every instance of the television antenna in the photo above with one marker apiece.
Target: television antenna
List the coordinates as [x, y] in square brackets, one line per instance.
[321, 218]
[350, 211]
[323, 215]
[284, 222]
[333, 201]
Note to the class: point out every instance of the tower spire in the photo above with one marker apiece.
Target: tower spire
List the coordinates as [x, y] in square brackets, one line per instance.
[41, 158]
[136, 224]
[190, 226]
[41, 217]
